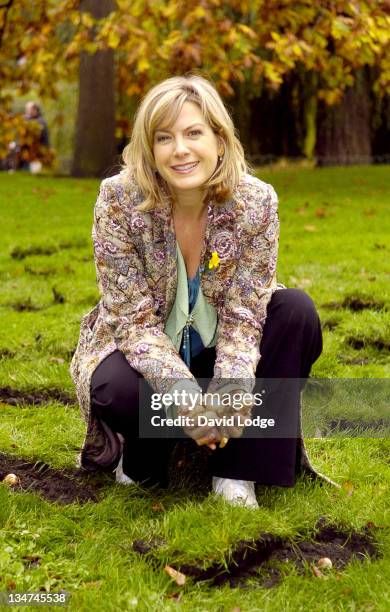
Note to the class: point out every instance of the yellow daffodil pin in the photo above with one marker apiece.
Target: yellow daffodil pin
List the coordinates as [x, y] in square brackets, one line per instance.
[214, 260]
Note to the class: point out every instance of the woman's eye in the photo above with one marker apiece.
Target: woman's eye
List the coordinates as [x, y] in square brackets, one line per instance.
[162, 137]
[195, 132]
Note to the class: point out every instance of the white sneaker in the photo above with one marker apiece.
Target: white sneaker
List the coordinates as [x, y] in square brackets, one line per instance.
[236, 492]
[120, 476]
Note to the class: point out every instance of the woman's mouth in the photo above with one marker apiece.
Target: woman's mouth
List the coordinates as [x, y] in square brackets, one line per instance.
[185, 168]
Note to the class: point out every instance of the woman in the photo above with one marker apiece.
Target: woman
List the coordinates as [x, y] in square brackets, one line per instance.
[185, 249]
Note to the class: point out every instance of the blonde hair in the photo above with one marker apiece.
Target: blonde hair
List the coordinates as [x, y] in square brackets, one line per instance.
[164, 103]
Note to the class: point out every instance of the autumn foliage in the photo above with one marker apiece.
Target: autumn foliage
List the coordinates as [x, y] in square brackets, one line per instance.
[256, 42]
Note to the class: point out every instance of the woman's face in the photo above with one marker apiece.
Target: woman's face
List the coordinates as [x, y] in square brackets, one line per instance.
[186, 154]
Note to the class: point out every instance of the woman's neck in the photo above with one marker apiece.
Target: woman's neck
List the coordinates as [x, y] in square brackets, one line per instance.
[190, 208]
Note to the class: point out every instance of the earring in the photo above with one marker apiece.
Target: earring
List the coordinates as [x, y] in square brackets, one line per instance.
[220, 155]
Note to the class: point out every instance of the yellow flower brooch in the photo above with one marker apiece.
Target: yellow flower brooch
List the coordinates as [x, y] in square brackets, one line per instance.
[214, 260]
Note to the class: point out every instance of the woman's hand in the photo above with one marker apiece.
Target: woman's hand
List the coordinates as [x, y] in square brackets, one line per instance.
[203, 430]
[237, 409]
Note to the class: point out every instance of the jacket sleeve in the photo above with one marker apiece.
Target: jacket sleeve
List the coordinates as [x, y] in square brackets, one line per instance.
[242, 316]
[128, 310]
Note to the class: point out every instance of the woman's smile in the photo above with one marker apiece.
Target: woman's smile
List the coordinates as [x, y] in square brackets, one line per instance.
[185, 168]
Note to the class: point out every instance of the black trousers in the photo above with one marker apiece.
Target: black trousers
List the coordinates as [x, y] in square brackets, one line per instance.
[290, 344]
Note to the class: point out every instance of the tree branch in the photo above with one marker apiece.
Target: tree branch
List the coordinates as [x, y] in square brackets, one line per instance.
[7, 7]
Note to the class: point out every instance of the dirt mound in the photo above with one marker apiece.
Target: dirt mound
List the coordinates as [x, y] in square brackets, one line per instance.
[263, 558]
[63, 486]
[14, 397]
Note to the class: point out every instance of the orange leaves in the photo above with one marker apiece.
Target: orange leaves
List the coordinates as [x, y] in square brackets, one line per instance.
[20, 138]
[197, 15]
[237, 41]
[247, 31]
[225, 25]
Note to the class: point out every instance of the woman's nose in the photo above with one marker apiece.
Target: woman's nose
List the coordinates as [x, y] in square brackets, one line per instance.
[180, 147]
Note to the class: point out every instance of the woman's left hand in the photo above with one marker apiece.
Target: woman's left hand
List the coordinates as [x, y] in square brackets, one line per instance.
[203, 431]
[237, 409]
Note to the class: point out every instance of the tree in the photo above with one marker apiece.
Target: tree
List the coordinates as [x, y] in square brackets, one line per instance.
[95, 132]
[311, 51]
[34, 38]
[253, 47]
[344, 129]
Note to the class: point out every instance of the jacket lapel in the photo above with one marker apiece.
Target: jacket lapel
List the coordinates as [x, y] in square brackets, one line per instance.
[164, 238]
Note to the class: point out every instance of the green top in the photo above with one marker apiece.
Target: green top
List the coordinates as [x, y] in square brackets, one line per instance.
[203, 315]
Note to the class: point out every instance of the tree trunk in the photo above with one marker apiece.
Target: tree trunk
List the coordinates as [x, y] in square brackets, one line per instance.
[310, 108]
[343, 131]
[239, 106]
[94, 153]
[273, 130]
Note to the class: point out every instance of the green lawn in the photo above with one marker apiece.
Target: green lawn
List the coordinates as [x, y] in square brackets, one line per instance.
[335, 225]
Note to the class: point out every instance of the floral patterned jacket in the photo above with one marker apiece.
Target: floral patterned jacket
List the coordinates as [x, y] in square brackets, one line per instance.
[135, 256]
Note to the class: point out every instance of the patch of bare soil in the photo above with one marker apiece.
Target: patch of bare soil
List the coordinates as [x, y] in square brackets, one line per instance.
[26, 305]
[63, 486]
[14, 397]
[265, 558]
[20, 253]
[356, 303]
[361, 343]
[7, 354]
[348, 425]
[330, 324]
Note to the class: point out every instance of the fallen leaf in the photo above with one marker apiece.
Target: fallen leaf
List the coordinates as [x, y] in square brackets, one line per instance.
[372, 525]
[175, 596]
[310, 228]
[178, 577]
[348, 488]
[158, 506]
[317, 573]
[320, 213]
[301, 210]
[304, 282]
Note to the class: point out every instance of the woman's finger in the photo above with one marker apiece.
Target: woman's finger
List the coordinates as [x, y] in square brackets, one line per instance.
[223, 442]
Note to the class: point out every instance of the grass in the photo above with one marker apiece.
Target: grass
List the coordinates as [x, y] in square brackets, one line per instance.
[334, 244]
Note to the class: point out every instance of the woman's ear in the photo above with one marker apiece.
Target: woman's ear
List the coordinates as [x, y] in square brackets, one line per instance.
[221, 147]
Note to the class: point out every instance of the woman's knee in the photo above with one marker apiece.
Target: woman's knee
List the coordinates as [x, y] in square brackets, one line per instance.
[115, 382]
[295, 306]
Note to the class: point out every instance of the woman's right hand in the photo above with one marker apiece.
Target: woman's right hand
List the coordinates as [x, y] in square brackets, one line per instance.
[205, 432]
